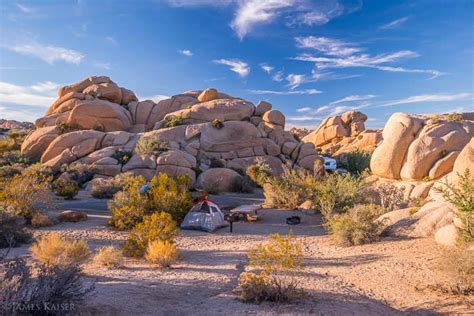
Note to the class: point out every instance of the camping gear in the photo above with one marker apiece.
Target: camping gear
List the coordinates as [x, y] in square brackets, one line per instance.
[248, 211]
[293, 220]
[231, 218]
[204, 215]
[144, 189]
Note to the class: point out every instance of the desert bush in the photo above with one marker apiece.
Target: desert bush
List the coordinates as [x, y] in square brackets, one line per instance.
[66, 188]
[106, 188]
[165, 194]
[150, 146]
[458, 265]
[39, 172]
[454, 117]
[162, 252]
[278, 262]
[78, 172]
[54, 251]
[48, 287]
[461, 195]
[158, 226]
[41, 220]
[109, 257]
[25, 195]
[288, 190]
[174, 120]
[336, 193]
[72, 216]
[13, 157]
[12, 141]
[259, 171]
[12, 229]
[356, 162]
[122, 156]
[390, 196]
[357, 226]
[217, 124]
[10, 171]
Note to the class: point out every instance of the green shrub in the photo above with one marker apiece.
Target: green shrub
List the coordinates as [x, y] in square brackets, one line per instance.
[217, 124]
[162, 252]
[39, 172]
[336, 193]
[357, 226]
[109, 257]
[78, 172]
[173, 120]
[158, 226]
[278, 262]
[356, 162]
[150, 146]
[461, 195]
[106, 188]
[288, 190]
[454, 117]
[165, 194]
[259, 171]
[66, 188]
[54, 251]
[13, 157]
[122, 156]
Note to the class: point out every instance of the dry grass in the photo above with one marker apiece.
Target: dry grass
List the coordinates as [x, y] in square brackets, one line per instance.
[458, 264]
[109, 257]
[41, 220]
[163, 253]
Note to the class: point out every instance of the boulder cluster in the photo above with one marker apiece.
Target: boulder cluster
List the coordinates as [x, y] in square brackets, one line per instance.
[344, 133]
[98, 123]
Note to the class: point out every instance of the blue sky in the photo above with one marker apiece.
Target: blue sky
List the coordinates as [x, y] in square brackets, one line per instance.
[311, 59]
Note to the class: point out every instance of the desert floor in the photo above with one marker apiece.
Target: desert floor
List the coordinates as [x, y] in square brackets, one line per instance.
[391, 277]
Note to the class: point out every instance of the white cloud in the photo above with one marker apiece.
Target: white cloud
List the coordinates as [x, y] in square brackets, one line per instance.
[304, 109]
[196, 3]
[353, 98]
[429, 98]
[278, 76]
[307, 91]
[25, 9]
[267, 68]
[394, 24]
[303, 118]
[111, 40]
[327, 46]
[294, 80]
[102, 65]
[252, 12]
[41, 94]
[235, 65]
[49, 53]
[155, 98]
[13, 113]
[185, 52]
[329, 75]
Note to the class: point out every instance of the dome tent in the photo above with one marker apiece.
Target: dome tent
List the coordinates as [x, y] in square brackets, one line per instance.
[204, 215]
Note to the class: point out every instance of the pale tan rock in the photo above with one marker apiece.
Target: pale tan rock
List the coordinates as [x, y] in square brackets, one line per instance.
[447, 235]
[108, 91]
[241, 164]
[465, 161]
[55, 119]
[274, 117]
[83, 84]
[443, 166]
[220, 180]
[128, 96]
[176, 158]
[208, 95]
[140, 162]
[37, 142]
[233, 136]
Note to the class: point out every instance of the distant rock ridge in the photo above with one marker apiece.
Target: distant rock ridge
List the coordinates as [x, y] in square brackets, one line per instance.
[12, 124]
[94, 121]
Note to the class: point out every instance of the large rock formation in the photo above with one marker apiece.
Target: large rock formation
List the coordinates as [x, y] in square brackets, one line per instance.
[98, 123]
[344, 133]
[417, 147]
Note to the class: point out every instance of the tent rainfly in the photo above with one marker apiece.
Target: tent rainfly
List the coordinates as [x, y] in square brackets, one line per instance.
[204, 215]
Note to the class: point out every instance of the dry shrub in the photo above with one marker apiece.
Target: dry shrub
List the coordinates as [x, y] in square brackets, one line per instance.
[50, 286]
[109, 257]
[72, 216]
[162, 252]
[158, 226]
[150, 146]
[78, 172]
[53, 251]
[106, 188]
[12, 230]
[41, 220]
[357, 226]
[390, 197]
[259, 171]
[165, 194]
[25, 195]
[174, 120]
[288, 190]
[458, 264]
[278, 262]
[66, 188]
[336, 193]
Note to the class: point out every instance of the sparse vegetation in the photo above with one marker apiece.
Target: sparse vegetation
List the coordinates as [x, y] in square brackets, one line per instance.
[66, 188]
[109, 257]
[259, 171]
[173, 120]
[162, 252]
[12, 230]
[122, 156]
[106, 188]
[461, 195]
[357, 226]
[390, 196]
[41, 220]
[356, 162]
[150, 146]
[277, 263]
[78, 172]
[56, 252]
[158, 226]
[458, 264]
[217, 124]
[454, 117]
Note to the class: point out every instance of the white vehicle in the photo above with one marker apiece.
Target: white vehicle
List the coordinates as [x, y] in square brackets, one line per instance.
[330, 164]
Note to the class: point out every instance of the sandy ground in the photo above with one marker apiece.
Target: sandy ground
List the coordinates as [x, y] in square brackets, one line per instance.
[390, 277]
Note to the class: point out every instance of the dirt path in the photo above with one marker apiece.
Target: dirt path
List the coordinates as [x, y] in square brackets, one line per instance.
[390, 277]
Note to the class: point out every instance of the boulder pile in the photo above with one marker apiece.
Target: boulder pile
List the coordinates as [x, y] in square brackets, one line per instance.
[344, 133]
[98, 123]
[418, 147]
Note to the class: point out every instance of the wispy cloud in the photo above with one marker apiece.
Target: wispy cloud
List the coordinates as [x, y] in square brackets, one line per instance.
[25, 9]
[267, 68]
[303, 109]
[14, 113]
[394, 24]
[102, 65]
[307, 91]
[185, 52]
[235, 65]
[111, 40]
[197, 3]
[429, 98]
[49, 53]
[278, 76]
[41, 94]
[295, 80]
[353, 98]
[304, 118]
[155, 98]
[327, 46]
